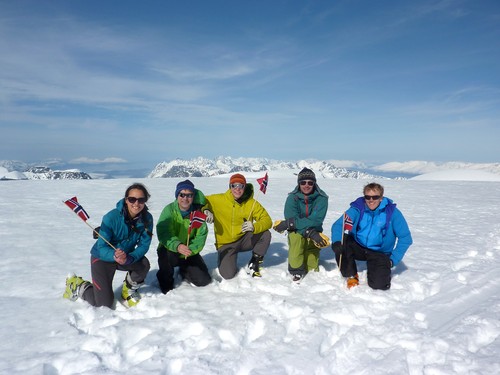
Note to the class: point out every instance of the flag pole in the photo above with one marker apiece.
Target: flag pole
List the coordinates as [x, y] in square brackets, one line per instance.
[262, 185]
[96, 232]
[342, 243]
[253, 205]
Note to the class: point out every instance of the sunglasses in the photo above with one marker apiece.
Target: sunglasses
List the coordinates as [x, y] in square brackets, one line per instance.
[186, 195]
[308, 183]
[237, 186]
[372, 197]
[132, 200]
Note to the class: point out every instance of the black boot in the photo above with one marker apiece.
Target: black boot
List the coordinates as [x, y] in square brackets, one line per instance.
[253, 267]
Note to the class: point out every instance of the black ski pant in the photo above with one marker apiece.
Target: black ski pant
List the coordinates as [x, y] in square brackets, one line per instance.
[100, 293]
[193, 269]
[378, 265]
[228, 254]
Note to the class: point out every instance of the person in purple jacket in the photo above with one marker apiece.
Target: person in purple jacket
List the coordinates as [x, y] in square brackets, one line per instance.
[371, 230]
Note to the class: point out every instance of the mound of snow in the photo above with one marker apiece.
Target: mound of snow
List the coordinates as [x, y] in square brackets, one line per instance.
[458, 175]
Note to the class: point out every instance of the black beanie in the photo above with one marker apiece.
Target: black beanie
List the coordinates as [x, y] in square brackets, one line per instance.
[306, 174]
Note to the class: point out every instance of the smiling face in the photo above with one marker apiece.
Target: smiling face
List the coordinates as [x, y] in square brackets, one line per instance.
[185, 199]
[135, 202]
[237, 190]
[373, 197]
[306, 186]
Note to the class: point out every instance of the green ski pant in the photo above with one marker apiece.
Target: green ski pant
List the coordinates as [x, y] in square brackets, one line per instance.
[303, 256]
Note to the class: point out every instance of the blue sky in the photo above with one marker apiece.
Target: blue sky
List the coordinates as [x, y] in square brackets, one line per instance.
[136, 83]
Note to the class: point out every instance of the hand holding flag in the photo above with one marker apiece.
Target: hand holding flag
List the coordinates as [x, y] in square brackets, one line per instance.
[196, 220]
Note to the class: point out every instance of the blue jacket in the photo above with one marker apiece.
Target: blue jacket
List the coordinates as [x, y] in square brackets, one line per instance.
[309, 211]
[383, 229]
[132, 236]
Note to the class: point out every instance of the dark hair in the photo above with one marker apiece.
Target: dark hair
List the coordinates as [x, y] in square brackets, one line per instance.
[138, 186]
[374, 186]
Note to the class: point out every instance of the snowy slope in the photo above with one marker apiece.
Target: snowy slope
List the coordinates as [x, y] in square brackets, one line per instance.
[440, 317]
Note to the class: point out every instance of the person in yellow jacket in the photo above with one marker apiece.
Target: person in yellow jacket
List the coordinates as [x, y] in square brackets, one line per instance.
[240, 224]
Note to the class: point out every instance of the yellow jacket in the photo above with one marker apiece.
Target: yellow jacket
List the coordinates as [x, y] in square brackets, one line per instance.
[229, 215]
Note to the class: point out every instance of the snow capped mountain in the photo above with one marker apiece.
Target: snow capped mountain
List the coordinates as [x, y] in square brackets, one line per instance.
[202, 167]
[43, 173]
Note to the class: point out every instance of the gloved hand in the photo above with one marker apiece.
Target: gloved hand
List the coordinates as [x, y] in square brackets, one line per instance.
[319, 239]
[283, 225]
[209, 216]
[247, 227]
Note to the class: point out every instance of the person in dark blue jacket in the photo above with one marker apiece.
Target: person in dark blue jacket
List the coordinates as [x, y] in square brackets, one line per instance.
[124, 239]
[371, 230]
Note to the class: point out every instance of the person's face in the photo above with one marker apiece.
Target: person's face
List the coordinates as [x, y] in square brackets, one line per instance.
[306, 186]
[185, 199]
[237, 190]
[135, 202]
[373, 199]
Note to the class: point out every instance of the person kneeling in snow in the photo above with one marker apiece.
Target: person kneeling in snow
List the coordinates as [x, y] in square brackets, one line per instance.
[240, 224]
[180, 245]
[124, 239]
[371, 230]
[305, 210]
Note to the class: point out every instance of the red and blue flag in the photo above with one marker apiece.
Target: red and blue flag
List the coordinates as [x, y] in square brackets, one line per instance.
[348, 224]
[77, 208]
[196, 220]
[263, 183]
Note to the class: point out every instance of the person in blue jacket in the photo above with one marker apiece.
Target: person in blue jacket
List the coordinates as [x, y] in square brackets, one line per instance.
[124, 239]
[371, 230]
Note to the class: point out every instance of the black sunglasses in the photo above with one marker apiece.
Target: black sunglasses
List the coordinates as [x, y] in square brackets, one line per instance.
[308, 182]
[132, 200]
[372, 197]
[186, 195]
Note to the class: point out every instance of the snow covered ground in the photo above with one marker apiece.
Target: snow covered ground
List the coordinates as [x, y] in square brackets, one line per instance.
[441, 315]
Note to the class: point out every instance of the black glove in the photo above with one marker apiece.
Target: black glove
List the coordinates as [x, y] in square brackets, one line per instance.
[319, 239]
[95, 233]
[283, 225]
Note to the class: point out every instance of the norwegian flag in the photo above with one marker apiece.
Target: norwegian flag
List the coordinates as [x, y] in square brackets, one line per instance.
[77, 208]
[263, 183]
[196, 220]
[348, 223]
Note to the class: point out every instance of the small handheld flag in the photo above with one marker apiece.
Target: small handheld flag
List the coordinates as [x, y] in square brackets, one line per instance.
[348, 223]
[263, 183]
[77, 208]
[196, 220]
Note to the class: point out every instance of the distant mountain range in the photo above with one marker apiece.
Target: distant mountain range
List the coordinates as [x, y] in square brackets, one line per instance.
[43, 173]
[203, 167]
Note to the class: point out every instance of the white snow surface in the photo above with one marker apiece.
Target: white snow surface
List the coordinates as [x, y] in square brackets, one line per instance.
[441, 315]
